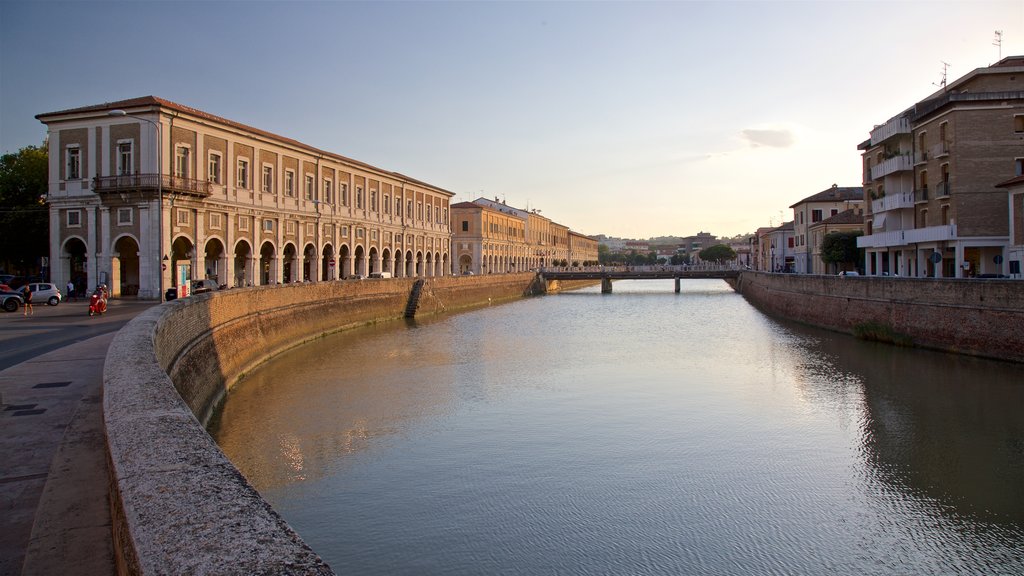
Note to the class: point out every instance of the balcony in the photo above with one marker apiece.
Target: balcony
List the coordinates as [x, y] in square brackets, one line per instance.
[939, 150]
[920, 158]
[893, 127]
[149, 183]
[907, 237]
[893, 202]
[942, 190]
[898, 163]
[921, 195]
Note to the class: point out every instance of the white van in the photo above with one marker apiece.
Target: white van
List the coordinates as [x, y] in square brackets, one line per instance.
[380, 275]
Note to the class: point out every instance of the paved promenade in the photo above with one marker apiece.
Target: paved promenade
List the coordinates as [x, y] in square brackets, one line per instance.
[54, 507]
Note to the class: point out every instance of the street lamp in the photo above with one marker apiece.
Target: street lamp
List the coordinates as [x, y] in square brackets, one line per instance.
[159, 193]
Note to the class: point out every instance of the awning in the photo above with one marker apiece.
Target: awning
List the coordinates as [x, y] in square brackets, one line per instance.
[879, 221]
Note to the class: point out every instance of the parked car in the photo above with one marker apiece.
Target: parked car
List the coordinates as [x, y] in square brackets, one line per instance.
[203, 286]
[849, 273]
[43, 292]
[380, 274]
[354, 277]
[10, 301]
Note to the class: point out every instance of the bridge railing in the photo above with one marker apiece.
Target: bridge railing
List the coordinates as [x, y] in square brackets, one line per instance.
[704, 267]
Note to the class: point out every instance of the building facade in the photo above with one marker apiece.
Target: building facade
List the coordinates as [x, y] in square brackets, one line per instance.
[814, 209]
[1015, 251]
[930, 177]
[490, 237]
[847, 221]
[775, 249]
[146, 194]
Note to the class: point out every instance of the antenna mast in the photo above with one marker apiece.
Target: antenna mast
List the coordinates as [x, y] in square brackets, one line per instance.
[998, 42]
[942, 83]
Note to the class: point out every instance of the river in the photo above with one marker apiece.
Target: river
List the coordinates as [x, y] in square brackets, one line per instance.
[639, 432]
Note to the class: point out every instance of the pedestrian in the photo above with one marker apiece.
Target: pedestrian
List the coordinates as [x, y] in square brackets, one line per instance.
[71, 290]
[28, 300]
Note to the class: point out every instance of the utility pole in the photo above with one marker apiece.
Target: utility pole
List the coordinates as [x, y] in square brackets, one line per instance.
[998, 43]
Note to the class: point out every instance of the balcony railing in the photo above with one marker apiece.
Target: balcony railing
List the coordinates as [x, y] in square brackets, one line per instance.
[907, 237]
[893, 202]
[899, 163]
[921, 194]
[942, 190]
[149, 182]
[889, 129]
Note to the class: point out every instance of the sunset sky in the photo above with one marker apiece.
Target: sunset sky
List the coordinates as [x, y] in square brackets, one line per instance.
[632, 119]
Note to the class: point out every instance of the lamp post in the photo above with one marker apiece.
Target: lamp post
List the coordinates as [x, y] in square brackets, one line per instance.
[159, 193]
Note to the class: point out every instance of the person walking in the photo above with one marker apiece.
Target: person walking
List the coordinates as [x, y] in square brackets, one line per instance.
[71, 290]
[28, 301]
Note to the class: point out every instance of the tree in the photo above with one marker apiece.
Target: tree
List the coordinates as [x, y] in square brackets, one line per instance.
[841, 248]
[717, 253]
[24, 225]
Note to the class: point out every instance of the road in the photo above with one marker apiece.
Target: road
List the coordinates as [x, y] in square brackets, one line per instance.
[54, 327]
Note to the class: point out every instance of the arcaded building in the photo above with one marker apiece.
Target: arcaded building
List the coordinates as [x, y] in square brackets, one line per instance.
[491, 237]
[146, 194]
[931, 175]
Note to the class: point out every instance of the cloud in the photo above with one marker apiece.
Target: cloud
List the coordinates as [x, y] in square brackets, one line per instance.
[771, 138]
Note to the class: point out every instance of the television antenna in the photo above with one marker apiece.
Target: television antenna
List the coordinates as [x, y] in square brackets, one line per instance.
[998, 42]
[942, 83]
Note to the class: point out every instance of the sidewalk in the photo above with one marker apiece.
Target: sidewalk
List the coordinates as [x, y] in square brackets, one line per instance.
[53, 481]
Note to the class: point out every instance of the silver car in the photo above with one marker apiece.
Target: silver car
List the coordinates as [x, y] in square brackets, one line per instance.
[43, 292]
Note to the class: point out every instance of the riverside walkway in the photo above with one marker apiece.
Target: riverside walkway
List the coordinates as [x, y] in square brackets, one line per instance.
[54, 493]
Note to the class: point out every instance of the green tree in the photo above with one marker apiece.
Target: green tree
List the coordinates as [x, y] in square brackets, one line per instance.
[24, 228]
[717, 253]
[840, 248]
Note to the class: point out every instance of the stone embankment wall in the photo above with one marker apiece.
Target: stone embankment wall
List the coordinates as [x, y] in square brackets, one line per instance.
[179, 506]
[976, 317]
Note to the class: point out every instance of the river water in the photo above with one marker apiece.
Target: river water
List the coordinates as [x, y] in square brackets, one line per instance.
[641, 432]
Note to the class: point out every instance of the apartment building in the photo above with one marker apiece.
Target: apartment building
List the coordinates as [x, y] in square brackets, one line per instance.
[814, 209]
[930, 178]
[147, 194]
[491, 237]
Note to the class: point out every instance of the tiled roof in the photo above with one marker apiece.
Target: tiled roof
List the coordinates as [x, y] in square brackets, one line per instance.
[835, 194]
[1012, 182]
[845, 217]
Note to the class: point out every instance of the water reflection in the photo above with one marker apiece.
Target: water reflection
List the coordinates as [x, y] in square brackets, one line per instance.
[641, 432]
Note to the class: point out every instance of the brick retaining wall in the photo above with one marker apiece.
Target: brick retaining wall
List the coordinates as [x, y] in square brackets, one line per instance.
[976, 317]
[179, 506]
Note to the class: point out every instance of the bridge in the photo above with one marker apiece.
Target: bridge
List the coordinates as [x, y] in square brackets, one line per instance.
[608, 273]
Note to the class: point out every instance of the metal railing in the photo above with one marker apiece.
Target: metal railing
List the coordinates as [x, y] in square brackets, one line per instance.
[169, 184]
[921, 194]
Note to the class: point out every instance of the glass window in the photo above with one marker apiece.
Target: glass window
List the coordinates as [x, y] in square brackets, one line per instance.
[181, 161]
[309, 187]
[465, 225]
[328, 189]
[268, 178]
[243, 223]
[124, 158]
[243, 173]
[73, 170]
[359, 197]
[268, 225]
[343, 194]
[182, 216]
[214, 221]
[74, 218]
[124, 216]
[289, 183]
[214, 174]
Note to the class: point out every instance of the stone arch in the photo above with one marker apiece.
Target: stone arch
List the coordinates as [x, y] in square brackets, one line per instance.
[344, 261]
[268, 263]
[308, 262]
[290, 264]
[428, 264]
[418, 271]
[409, 271]
[327, 270]
[215, 260]
[124, 266]
[360, 261]
[243, 263]
[372, 262]
[386, 263]
[182, 253]
[465, 264]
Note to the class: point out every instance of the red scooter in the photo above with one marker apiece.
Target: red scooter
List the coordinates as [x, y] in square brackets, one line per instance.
[98, 302]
